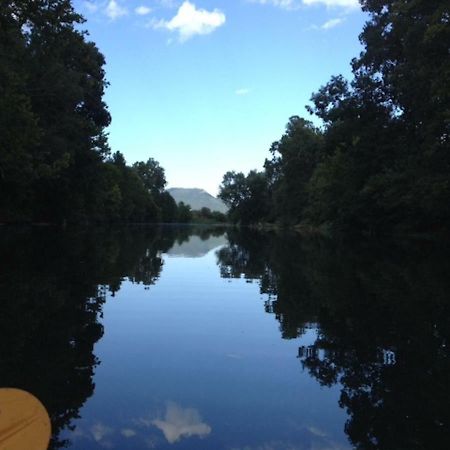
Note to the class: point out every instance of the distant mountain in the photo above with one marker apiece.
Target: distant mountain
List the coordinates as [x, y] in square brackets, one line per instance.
[195, 247]
[197, 199]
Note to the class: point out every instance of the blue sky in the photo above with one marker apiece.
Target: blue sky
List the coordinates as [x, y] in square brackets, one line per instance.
[205, 86]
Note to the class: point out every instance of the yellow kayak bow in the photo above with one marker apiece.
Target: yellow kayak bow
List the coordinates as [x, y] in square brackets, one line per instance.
[24, 422]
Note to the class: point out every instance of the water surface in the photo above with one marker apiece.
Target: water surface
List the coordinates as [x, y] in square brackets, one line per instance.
[187, 338]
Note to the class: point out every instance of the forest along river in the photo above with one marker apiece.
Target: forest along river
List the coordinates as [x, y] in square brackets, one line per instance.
[197, 338]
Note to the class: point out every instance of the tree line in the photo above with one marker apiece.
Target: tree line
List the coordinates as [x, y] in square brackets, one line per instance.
[55, 162]
[381, 160]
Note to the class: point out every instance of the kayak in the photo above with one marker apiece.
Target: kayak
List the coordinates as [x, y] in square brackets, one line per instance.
[24, 421]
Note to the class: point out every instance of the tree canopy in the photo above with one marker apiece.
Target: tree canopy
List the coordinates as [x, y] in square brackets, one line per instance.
[381, 160]
[55, 161]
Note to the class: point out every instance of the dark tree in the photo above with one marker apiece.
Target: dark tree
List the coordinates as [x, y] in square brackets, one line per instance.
[54, 155]
[184, 213]
[381, 161]
[294, 158]
[246, 196]
[152, 175]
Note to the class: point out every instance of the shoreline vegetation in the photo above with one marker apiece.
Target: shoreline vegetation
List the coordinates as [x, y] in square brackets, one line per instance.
[379, 164]
[300, 230]
[56, 165]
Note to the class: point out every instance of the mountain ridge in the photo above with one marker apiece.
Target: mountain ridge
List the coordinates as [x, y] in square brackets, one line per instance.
[197, 199]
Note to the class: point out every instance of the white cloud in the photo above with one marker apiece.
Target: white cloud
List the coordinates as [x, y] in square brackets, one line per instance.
[284, 4]
[90, 6]
[295, 4]
[328, 24]
[113, 10]
[334, 3]
[142, 10]
[99, 431]
[181, 422]
[242, 91]
[128, 432]
[190, 21]
[332, 23]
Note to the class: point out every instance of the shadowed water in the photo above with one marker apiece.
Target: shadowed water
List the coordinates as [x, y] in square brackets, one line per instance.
[185, 338]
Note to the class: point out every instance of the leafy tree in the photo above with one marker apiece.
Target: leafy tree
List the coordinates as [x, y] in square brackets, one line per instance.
[54, 163]
[152, 175]
[218, 217]
[294, 159]
[137, 203]
[391, 124]
[381, 162]
[184, 213]
[18, 124]
[168, 207]
[246, 195]
[205, 215]
[56, 79]
[233, 190]
[154, 180]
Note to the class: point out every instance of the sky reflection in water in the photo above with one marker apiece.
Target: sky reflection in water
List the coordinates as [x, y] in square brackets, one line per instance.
[236, 341]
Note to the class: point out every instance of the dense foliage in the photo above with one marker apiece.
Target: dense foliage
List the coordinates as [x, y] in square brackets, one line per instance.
[381, 161]
[206, 216]
[55, 162]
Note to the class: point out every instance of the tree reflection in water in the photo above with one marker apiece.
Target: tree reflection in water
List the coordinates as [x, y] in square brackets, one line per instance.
[382, 315]
[53, 285]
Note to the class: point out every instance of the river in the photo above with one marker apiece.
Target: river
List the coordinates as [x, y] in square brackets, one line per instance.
[209, 338]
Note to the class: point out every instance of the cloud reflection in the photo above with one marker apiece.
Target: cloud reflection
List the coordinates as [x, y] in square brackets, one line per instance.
[99, 431]
[128, 432]
[181, 423]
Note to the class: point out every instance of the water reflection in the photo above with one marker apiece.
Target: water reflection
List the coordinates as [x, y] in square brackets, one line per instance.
[197, 246]
[101, 433]
[369, 322]
[53, 285]
[381, 319]
[180, 423]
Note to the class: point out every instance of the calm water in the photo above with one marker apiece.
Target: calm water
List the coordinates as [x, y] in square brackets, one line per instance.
[147, 338]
